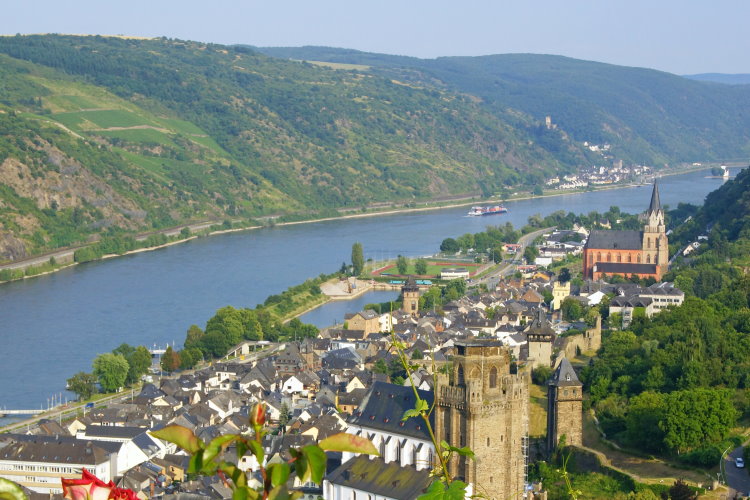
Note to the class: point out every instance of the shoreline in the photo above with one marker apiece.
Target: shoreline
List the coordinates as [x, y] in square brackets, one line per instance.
[392, 211]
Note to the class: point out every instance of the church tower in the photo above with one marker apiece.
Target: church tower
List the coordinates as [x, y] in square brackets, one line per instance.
[564, 407]
[485, 407]
[655, 249]
[410, 295]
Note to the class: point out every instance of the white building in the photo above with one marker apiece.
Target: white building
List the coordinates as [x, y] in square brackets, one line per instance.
[406, 450]
[40, 462]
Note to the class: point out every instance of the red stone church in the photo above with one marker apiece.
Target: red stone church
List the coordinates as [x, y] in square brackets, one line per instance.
[630, 253]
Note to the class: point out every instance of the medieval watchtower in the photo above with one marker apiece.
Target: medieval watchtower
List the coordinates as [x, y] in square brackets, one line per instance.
[485, 407]
[410, 295]
[564, 407]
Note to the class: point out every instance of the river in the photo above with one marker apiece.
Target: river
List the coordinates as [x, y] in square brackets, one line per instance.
[53, 326]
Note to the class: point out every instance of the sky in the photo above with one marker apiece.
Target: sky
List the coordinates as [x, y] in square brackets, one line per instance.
[679, 36]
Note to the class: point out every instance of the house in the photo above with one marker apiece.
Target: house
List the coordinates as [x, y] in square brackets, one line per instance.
[367, 321]
[40, 462]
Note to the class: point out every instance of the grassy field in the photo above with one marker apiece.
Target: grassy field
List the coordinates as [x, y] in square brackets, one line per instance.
[333, 65]
[537, 411]
[138, 135]
[433, 268]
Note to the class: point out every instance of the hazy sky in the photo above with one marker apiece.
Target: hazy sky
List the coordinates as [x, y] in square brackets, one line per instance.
[680, 36]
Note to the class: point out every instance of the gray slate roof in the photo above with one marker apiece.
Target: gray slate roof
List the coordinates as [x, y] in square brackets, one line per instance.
[615, 240]
[380, 478]
[383, 407]
[565, 375]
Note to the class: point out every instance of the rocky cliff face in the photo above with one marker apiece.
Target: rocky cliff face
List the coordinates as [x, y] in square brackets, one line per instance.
[64, 192]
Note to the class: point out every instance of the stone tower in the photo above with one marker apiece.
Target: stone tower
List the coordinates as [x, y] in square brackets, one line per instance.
[410, 294]
[485, 407]
[564, 407]
[655, 248]
[539, 339]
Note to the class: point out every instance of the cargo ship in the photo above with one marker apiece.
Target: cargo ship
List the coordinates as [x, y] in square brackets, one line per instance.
[477, 211]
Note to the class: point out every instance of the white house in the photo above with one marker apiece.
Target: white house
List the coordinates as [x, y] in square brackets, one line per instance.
[40, 462]
[406, 450]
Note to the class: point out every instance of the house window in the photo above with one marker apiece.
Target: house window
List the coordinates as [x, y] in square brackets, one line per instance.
[648, 259]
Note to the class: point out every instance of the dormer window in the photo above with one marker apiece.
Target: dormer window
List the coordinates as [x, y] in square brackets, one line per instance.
[567, 377]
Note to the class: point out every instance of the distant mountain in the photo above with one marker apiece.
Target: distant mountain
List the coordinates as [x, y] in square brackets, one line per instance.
[730, 79]
[647, 116]
[106, 134]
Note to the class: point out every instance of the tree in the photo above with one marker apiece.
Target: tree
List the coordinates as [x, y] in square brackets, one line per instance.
[138, 362]
[402, 263]
[496, 254]
[420, 266]
[449, 245]
[358, 258]
[538, 191]
[380, 367]
[186, 359]
[564, 275]
[530, 253]
[697, 417]
[170, 360]
[571, 309]
[193, 337]
[284, 414]
[681, 491]
[645, 411]
[111, 370]
[83, 385]
[417, 354]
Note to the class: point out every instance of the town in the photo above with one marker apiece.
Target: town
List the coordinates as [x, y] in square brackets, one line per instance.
[479, 360]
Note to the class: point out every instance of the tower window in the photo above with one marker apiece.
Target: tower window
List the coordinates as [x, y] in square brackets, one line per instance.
[488, 441]
[619, 258]
[648, 259]
[493, 377]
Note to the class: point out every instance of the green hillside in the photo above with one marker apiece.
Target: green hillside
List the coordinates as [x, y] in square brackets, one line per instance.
[176, 131]
[647, 116]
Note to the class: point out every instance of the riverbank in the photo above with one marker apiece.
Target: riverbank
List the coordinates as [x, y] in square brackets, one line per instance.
[65, 256]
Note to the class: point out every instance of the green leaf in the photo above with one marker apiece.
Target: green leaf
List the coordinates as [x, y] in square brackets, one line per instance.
[348, 442]
[181, 436]
[421, 405]
[196, 464]
[279, 473]
[439, 491]
[244, 493]
[11, 491]
[464, 452]
[218, 445]
[257, 450]
[279, 493]
[301, 467]
[237, 475]
[409, 414]
[316, 459]
[242, 448]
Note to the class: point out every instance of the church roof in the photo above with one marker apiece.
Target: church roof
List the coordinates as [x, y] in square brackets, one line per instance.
[610, 240]
[375, 476]
[625, 268]
[565, 375]
[384, 406]
[655, 205]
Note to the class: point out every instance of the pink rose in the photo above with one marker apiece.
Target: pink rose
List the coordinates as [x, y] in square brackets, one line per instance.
[90, 487]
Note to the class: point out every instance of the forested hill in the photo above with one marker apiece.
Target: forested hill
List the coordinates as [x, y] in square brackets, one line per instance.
[647, 116]
[108, 134]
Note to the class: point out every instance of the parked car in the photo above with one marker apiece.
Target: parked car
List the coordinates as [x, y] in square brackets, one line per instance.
[739, 462]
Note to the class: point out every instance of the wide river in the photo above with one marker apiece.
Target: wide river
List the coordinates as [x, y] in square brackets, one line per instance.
[53, 326]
